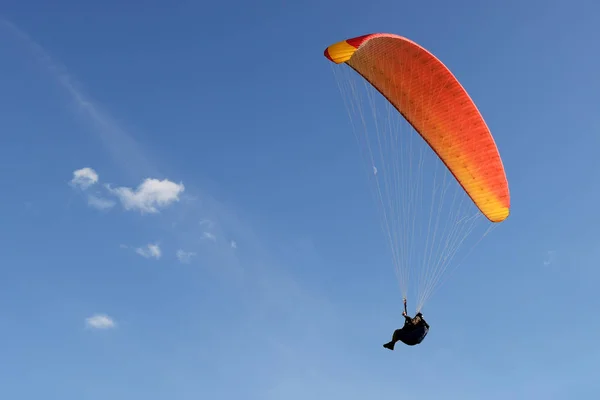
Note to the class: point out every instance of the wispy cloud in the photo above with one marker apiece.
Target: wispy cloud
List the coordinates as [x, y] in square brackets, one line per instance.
[100, 203]
[209, 236]
[120, 143]
[185, 256]
[149, 196]
[550, 258]
[84, 178]
[100, 321]
[233, 244]
[207, 223]
[149, 251]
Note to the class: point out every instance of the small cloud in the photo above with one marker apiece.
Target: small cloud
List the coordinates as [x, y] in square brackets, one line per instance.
[149, 195]
[100, 203]
[100, 321]
[84, 178]
[184, 256]
[209, 236]
[233, 244]
[550, 258]
[151, 250]
[374, 170]
[207, 222]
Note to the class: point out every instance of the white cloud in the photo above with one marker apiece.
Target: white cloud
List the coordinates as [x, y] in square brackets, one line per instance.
[84, 178]
[151, 250]
[100, 203]
[149, 195]
[185, 256]
[233, 244]
[100, 321]
[209, 236]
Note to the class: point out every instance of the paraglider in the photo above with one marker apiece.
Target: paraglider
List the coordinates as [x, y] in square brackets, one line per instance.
[416, 86]
[412, 333]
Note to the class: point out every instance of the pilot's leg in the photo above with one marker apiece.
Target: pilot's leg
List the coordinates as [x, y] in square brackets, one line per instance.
[395, 337]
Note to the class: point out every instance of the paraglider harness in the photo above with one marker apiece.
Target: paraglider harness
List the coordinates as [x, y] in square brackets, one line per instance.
[414, 329]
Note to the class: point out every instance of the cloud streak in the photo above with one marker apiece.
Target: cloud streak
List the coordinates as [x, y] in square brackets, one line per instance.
[124, 149]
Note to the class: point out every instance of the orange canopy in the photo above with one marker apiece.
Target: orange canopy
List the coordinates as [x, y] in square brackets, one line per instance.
[432, 100]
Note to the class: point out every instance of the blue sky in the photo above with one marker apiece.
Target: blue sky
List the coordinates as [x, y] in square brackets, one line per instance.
[218, 131]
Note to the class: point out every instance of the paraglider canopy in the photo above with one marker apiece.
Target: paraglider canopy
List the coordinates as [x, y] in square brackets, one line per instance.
[432, 100]
[425, 231]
